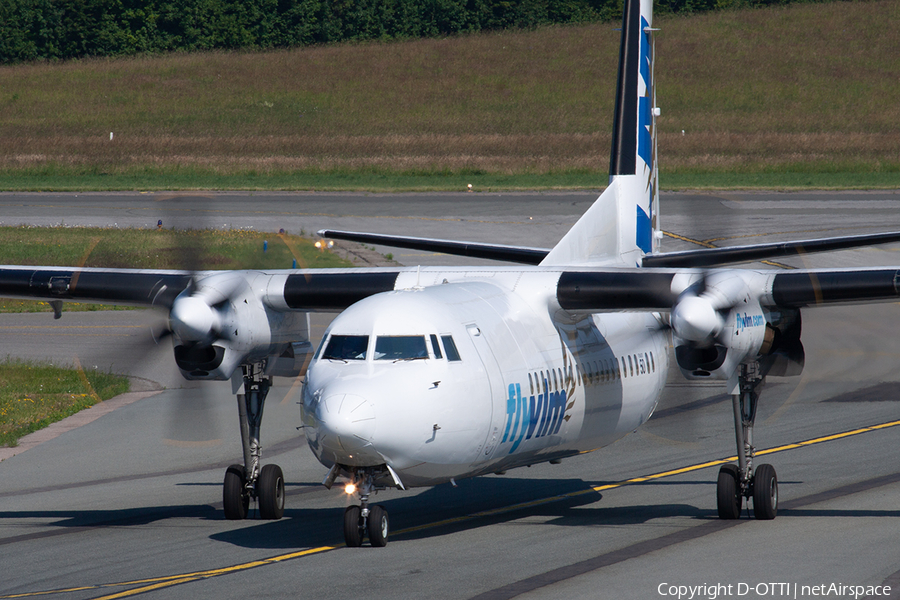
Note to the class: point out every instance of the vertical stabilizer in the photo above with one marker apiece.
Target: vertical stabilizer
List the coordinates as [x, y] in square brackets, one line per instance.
[620, 226]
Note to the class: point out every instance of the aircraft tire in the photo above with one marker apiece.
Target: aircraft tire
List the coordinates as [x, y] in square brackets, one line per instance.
[270, 490]
[377, 524]
[234, 498]
[728, 493]
[765, 493]
[353, 534]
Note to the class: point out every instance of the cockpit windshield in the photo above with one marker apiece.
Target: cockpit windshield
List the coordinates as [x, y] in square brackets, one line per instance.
[400, 347]
[347, 347]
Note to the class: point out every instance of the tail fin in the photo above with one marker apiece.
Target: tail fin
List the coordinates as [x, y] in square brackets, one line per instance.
[619, 228]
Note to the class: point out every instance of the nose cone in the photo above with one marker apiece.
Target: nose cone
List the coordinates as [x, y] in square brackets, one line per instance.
[192, 319]
[695, 319]
[347, 429]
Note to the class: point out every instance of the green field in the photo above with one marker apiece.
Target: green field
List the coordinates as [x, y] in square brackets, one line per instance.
[33, 395]
[801, 95]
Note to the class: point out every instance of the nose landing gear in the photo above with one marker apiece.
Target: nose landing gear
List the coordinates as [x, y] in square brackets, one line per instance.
[737, 482]
[363, 519]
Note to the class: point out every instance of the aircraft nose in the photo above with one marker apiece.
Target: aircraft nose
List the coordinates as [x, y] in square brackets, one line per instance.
[348, 424]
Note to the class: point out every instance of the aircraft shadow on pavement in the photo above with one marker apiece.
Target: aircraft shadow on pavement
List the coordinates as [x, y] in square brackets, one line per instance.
[443, 510]
[126, 517]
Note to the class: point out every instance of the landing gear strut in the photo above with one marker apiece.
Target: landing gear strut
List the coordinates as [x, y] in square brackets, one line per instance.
[363, 519]
[737, 482]
[242, 483]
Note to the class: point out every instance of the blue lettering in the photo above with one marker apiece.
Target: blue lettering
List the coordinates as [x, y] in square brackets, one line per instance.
[511, 405]
[534, 416]
[534, 411]
[562, 410]
[542, 429]
[525, 417]
[748, 321]
[557, 407]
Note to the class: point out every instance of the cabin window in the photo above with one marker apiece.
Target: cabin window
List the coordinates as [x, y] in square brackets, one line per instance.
[647, 362]
[531, 384]
[435, 347]
[618, 373]
[555, 386]
[450, 348]
[346, 347]
[604, 370]
[652, 363]
[630, 366]
[400, 347]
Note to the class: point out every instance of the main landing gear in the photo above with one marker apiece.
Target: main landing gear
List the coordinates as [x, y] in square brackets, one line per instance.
[242, 483]
[737, 482]
[364, 519]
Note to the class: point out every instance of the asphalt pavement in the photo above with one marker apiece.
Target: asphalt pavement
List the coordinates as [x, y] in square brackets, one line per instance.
[130, 502]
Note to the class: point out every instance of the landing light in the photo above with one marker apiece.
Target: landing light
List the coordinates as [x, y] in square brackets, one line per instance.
[350, 488]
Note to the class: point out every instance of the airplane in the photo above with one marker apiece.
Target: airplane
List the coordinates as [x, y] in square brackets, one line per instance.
[429, 375]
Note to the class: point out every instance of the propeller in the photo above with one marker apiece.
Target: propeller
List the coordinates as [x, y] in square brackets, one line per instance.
[196, 319]
[698, 316]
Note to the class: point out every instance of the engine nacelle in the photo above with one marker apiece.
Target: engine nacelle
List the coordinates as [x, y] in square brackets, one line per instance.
[241, 330]
[749, 334]
[718, 323]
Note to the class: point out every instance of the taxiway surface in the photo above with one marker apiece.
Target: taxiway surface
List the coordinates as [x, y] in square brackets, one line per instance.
[130, 504]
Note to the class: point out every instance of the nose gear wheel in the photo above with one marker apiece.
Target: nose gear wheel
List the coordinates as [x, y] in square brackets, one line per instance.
[363, 520]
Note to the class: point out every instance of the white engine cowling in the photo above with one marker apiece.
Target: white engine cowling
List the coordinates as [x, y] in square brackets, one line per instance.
[221, 322]
[718, 323]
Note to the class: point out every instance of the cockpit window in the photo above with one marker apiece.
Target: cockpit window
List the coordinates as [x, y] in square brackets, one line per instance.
[346, 347]
[450, 348]
[435, 347]
[400, 347]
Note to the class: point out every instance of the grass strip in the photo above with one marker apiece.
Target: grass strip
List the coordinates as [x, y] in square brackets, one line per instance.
[785, 90]
[34, 395]
[387, 181]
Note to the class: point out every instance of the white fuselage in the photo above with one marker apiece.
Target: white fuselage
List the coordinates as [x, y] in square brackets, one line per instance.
[531, 382]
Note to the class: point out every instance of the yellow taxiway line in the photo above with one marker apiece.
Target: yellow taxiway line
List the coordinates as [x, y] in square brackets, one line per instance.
[149, 585]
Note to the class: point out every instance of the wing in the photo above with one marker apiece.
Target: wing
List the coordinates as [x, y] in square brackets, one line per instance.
[660, 289]
[705, 257]
[711, 257]
[514, 254]
[321, 289]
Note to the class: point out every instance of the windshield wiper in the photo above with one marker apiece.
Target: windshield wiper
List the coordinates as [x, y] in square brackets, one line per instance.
[405, 358]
